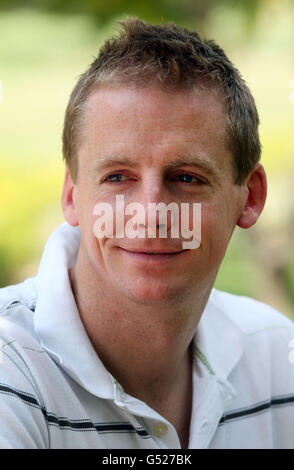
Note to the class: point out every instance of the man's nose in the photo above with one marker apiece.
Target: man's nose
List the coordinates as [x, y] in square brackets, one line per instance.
[154, 198]
[152, 189]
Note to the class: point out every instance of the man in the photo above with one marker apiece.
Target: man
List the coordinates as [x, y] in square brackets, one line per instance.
[121, 341]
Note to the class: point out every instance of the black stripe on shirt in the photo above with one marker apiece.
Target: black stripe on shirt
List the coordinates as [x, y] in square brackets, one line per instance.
[74, 425]
[257, 408]
[111, 427]
[87, 425]
[102, 428]
[26, 397]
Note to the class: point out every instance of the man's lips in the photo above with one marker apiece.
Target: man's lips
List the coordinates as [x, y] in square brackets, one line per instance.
[153, 256]
[154, 251]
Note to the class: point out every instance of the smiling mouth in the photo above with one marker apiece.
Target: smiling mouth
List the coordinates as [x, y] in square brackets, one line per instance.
[148, 256]
[157, 253]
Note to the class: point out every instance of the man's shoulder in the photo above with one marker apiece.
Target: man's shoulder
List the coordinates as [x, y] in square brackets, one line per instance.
[250, 315]
[23, 293]
[263, 337]
[22, 366]
[17, 305]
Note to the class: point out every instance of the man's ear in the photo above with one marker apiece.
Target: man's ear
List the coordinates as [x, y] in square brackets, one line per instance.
[257, 189]
[67, 200]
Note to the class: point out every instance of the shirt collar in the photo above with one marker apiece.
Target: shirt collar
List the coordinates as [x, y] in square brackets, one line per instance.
[57, 320]
[218, 340]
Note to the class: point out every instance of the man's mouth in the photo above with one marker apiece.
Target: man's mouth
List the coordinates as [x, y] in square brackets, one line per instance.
[153, 253]
[152, 256]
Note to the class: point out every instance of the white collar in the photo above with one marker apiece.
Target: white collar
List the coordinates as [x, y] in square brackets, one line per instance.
[57, 320]
[218, 337]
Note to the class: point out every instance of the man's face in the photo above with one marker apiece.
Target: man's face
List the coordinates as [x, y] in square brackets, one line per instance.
[153, 146]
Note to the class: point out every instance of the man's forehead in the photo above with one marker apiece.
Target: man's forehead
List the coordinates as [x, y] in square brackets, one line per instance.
[120, 96]
[154, 116]
[113, 141]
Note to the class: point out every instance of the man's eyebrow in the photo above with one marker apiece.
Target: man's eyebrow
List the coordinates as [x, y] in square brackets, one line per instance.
[106, 161]
[195, 161]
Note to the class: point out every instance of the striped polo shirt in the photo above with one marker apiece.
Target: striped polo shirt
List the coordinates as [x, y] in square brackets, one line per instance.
[55, 392]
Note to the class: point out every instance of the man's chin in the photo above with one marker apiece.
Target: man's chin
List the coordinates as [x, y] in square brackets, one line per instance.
[152, 294]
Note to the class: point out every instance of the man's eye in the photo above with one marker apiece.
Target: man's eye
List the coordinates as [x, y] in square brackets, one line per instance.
[115, 178]
[186, 178]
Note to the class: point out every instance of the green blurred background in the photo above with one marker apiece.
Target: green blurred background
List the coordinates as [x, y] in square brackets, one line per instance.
[46, 44]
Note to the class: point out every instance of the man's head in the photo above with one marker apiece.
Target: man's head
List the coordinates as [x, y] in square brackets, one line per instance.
[181, 130]
[173, 59]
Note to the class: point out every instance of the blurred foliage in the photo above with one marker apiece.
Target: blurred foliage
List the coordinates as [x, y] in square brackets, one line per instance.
[29, 196]
[45, 45]
[152, 10]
